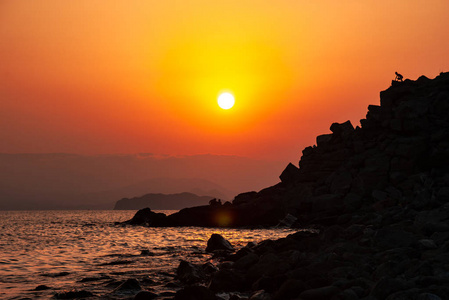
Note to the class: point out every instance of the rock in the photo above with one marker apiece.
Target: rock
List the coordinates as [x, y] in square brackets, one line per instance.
[290, 289]
[389, 237]
[246, 261]
[427, 244]
[244, 198]
[290, 174]
[348, 294]
[341, 183]
[195, 293]
[269, 284]
[73, 294]
[342, 129]
[189, 273]
[209, 268]
[387, 286]
[145, 295]
[323, 140]
[217, 242]
[147, 217]
[129, 286]
[146, 252]
[428, 296]
[322, 293]
[226, 281]
[42, 287]
[268, 265]
[260, 295]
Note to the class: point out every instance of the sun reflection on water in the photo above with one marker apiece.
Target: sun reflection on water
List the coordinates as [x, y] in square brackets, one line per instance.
[61, 248]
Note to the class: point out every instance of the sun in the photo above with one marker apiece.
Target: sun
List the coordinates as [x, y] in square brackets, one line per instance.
[226, 100]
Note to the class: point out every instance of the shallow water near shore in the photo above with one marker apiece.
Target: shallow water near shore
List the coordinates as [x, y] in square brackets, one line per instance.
[84, 250]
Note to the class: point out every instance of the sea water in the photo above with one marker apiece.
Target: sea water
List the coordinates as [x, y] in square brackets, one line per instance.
[86, 250]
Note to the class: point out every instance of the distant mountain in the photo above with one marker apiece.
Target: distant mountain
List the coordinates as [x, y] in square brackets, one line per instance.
[162, 201]
[70, 181]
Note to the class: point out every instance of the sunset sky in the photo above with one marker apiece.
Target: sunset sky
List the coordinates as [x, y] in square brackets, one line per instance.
[94, 77]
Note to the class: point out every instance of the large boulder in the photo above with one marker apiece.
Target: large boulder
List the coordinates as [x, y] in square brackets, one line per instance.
[290, 174]
[148, 217]
[189, 273]
[217, 242]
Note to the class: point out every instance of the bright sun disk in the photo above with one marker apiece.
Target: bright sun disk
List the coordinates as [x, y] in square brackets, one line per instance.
[226, 100]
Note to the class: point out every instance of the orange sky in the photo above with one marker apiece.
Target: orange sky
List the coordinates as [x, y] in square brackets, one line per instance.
[143, 76]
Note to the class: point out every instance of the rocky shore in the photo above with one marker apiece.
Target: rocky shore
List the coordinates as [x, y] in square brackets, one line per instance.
[377, 195]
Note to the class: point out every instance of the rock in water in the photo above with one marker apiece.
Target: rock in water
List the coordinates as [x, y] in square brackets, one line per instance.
[147, 217]
[129, 286]
[217, 242]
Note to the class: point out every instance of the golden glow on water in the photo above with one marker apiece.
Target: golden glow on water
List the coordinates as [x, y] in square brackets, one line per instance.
[58, 248]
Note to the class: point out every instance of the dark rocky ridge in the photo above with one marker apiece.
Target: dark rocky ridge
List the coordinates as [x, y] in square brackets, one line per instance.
[391, 168]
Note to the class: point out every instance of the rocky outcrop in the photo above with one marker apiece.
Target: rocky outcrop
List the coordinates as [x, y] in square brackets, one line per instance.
[398, 159]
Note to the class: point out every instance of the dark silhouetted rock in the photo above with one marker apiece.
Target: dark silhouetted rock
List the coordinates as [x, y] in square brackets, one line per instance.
[227, 281]
[387, 286]
[217, 242]
[290, 289]
[129, 286]
[42, 287]
[149, 218]
[195, 293]
[189, 273]
[145, 295]
[322, 293]
[290, 174]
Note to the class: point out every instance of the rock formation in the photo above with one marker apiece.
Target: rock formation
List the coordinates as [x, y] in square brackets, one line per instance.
[394, 167]
[379, 195]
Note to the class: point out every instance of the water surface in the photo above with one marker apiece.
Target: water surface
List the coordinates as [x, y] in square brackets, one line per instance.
[85, 250]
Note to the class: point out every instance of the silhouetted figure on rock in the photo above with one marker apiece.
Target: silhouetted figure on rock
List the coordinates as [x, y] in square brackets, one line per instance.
[399, 77]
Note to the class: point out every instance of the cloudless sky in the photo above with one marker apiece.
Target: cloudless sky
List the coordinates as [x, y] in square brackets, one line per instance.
[143, 76]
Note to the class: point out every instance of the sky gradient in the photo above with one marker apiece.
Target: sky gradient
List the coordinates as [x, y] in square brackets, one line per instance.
[94, 77]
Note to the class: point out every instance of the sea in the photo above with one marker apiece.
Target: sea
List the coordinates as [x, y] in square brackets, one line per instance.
[47, 253]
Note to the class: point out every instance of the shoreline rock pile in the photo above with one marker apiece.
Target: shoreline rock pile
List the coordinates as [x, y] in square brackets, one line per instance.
[379, 194]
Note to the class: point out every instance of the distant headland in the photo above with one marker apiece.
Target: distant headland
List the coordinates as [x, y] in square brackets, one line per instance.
[162, 201]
